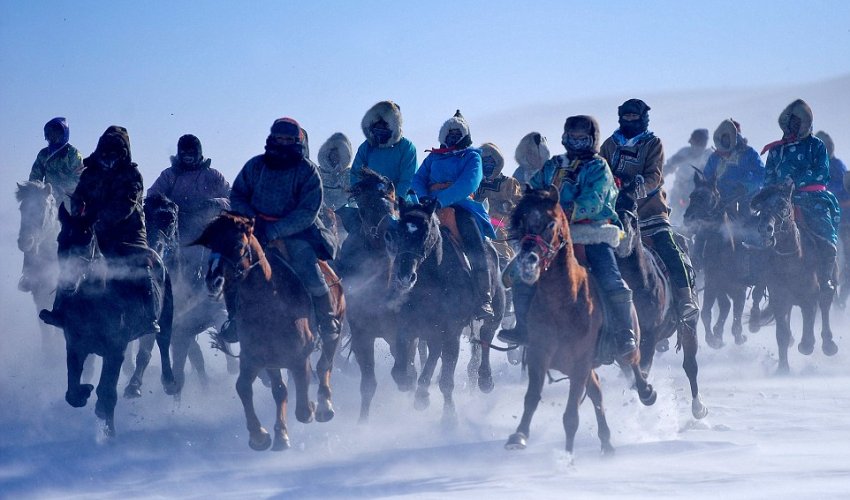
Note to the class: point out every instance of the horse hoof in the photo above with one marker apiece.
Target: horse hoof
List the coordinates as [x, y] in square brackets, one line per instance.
[740, 339]
[281, 442]
[305, 417]
[78, 398]
[698, 410]
[608, 451]
[133, 391]
[662, 346]
[325, 413]
[99, 410]
[485, 384]
[517, 441]
[713, 341]
[782, 370]
[650, 397]
[806, 348]
[170, 386]
[754, 324]
[830, 348]
[422, 400]
[449, 419]
[260, 441]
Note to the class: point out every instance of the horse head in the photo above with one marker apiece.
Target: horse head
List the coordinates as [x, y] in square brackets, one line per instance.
[411, 240]
[376, 201]
[775, 216]
[162, 226]
[540, 225]
[38, 214]
[76, 247]
[233, 248]
[705, 206]
[626, 208]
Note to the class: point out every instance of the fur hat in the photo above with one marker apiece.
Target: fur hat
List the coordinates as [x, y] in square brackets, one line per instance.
[388, 111]
[584, 123]
[455, 122]
[288, 126]
[490, 149]
[635, 106]
[726, 128]
[341, 143]
[532, 151]
[189, 141]
[801, 110]
[827, 140]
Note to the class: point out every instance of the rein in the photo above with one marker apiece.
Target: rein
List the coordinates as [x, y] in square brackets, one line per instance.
[246, 254]
[549, 250]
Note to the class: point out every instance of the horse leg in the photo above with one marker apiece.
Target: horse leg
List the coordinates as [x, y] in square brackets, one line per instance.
[163, 343]
[305, 409]
[807, 343]
[129, 366]
[196, 358]
[77, 394]
[324, 369]
[485, 372]
[708, 298]
[143, 358]
[450, 353]
[646, 393]
[830, 348]
[690, 345]
[783, 334]
[724, 305]
[364, 353]
[594, 392]
[578, 384]
[107, 392]
[754, 323]
[404, 353]
[259, 438]
[739, 297]
[179, 353]
[422, 399]
[281, 437]
[538, 363]
[474, 358]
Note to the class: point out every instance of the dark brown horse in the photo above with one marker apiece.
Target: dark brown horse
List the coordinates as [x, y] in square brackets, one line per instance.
[273, 323]
[644, 272]
[718, 252]
[565, 318]
[790, 258]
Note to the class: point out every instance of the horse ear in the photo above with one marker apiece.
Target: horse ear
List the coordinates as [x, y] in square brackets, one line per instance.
[553, 194]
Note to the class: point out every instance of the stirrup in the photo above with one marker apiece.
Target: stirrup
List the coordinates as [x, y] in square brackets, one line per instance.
[485, 311]
[514, 336]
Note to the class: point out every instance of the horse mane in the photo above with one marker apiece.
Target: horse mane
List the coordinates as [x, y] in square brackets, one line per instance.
[228, 221]
[28, 188]
[370, 179]
[767, 192]
[160, 202]
[533, 199]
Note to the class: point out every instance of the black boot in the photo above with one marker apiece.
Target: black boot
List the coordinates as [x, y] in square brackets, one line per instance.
[623, 329]
[826, 267]
[686, 306]
[326, 319]
[522, 295]
[56, 317]
[481, 277]
[149, 312]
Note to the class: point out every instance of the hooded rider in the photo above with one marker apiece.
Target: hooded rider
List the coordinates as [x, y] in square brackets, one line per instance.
[694, 155]
[502, 194]
[60, 165]
[200, 192]
[451, 175]
[531, 153]
[588, 195]
[334, 166]
[635, 156]
[803, 159]
[385, 150]
[736, 168]
[109, 195]
[282, 191]
[838, 185]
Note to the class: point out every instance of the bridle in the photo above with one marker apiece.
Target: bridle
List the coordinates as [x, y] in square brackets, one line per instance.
[242, 264]
[549, 251]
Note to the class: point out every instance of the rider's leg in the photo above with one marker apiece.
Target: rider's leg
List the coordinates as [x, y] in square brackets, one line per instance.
[671, 254]
[304, 262]
[473, 244]
[603, 265]
[522, 295]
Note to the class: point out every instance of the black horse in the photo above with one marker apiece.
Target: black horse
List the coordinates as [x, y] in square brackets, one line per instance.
[644, 272]
[37, 239]
[96, 303]
[434, 296]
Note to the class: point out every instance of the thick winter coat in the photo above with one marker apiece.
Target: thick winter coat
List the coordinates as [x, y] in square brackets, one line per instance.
[739, 172]
[531, 153]
[501, 192]
[335, 172]
[61, 169]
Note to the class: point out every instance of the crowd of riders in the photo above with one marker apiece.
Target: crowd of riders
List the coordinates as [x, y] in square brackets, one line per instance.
[284, 192]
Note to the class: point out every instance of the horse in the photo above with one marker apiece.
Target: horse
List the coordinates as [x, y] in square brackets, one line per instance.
[644, 272]
[565, 318]
[433, 294]
[790, 255]
[37, 239]
[96, 307]
[721, 256]
[273, 323]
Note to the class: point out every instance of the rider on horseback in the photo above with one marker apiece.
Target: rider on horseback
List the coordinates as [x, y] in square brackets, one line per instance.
[587, 194]
[735, 167]
[635, 156]
[451, 174]
[282, 190]
[502, 194]
[109, 196]
[803, 159]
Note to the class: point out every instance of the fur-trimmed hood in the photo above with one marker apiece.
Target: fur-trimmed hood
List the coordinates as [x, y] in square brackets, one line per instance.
[456, 122]
[532, 151]
[800, 109]
[388, 111]
[728, 129]
[584, 123]
[490, 149]
[342, 145]
[827, 141]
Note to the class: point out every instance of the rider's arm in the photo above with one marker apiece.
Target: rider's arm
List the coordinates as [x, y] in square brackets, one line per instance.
[652, 169]
[594, 183]
[123, 202]
[421, 179]
[309, 189]
[406, 166]
[243, 189]
[466, 183]
[37, 173]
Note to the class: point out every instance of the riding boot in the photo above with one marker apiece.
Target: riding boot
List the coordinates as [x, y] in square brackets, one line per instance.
[56, 317]
[228, 332]
[623, 327]
[522, 295]
[481, 277]
[686, 306]
[326, 319]
[149, 312]
[826, 267]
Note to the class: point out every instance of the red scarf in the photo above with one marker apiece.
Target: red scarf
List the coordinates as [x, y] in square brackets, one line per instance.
[780, 142]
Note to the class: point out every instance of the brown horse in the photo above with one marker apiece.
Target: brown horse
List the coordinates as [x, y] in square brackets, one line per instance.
[790, 255]
[565, 319]
[273, 322]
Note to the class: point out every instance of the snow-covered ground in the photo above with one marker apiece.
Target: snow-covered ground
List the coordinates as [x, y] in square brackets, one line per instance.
[765, 436]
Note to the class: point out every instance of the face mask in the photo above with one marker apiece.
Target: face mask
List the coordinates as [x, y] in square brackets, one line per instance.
[488, 163]
[578, 144]
[283, 155]
[631, 128]
[189, 158]
[453, 137]
[382, 135]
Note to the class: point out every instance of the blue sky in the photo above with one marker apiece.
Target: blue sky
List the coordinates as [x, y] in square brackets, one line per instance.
[225, 70]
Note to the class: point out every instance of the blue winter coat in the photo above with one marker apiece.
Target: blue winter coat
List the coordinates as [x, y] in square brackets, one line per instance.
[398, 162]
[462, 169]
[743, 167]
